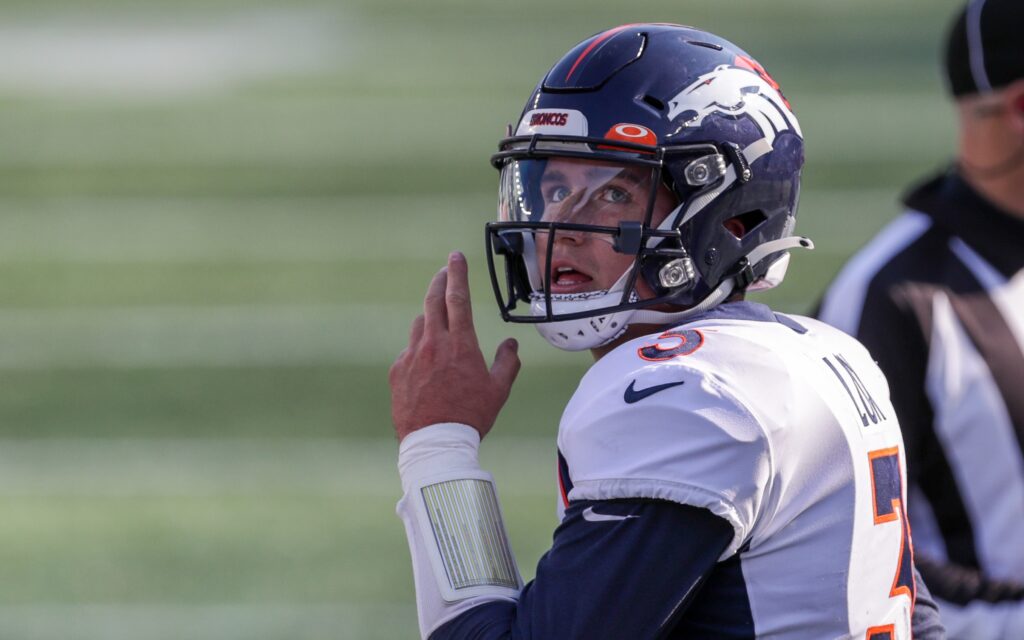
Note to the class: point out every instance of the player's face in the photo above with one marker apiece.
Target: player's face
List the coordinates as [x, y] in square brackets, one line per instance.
[593, 193]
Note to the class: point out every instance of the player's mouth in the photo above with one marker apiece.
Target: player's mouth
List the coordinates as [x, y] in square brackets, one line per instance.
[567, 278]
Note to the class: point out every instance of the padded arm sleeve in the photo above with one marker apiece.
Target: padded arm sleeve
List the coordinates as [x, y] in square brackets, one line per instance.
[460, 551]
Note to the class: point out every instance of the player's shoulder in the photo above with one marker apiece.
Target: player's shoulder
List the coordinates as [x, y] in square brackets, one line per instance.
[664, 416]
[744, 357]
[686, 354]
[711, 360]
[729, 344]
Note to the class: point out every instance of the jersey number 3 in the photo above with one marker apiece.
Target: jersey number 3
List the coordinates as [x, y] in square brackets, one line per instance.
[887, 500]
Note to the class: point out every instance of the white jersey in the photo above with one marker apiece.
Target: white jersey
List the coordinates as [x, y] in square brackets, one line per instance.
[782, 427]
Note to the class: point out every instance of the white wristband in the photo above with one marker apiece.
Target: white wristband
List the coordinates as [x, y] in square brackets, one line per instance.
[447, 446]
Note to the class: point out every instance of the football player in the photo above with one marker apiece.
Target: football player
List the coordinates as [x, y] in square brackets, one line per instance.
[938, 298]
[724, 471]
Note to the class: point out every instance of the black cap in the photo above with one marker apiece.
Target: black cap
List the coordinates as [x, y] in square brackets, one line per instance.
[985, 47]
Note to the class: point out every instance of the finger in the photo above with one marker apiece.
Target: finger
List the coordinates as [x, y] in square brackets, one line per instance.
[460, 312]
[396, 370]
[416, 331]
[506, 365]
[435, 315]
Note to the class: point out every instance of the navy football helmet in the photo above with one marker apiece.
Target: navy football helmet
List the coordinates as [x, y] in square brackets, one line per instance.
[653, 139]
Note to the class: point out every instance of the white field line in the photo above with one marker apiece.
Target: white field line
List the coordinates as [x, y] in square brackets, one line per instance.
[175, 337]
[228, 621]
[194, 467]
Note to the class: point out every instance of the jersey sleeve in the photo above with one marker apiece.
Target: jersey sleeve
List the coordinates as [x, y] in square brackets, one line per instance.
[605, 576]
[693, 442]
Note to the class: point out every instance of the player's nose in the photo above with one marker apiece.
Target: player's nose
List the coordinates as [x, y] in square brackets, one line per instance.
[570, 237]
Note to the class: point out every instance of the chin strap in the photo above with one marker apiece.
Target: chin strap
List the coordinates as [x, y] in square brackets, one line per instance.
[725, 289]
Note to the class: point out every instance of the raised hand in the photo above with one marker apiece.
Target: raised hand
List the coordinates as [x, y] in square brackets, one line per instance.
[442, 376]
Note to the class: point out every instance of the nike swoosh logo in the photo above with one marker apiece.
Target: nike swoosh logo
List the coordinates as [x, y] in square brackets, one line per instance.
[633, 395]
[590, 516]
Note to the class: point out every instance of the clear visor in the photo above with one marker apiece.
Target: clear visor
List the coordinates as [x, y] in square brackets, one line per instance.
[575, 191]
[581, 220]
[584, 225]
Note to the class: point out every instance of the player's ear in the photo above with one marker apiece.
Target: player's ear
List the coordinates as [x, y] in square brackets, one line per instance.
[735, 226]
[741, 224]
[1013, 100]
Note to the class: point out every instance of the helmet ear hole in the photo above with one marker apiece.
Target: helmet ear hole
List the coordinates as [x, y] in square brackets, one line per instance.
[744, 223]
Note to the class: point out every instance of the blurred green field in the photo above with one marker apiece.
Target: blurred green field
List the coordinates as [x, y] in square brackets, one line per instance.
[216, 222]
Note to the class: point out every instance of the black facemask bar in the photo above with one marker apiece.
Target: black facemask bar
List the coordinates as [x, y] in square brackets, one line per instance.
[509, 238]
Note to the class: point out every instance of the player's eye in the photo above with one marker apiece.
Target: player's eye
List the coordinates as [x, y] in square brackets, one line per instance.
[557, 193]
[615, 195]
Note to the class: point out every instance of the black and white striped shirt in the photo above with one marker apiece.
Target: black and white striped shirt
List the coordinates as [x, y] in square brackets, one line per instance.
[938, 298]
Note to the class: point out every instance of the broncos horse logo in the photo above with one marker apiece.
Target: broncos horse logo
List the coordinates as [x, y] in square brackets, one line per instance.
[736, 91]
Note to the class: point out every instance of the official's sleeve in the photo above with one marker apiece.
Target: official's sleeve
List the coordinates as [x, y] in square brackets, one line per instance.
[983, 620]
[960, 585]
[973, 606]
[926, 623]
[616, 569]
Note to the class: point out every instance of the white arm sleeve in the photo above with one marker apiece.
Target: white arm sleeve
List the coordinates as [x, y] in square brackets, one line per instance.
[457, 539]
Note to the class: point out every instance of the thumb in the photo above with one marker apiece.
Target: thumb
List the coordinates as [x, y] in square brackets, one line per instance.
[506, 364]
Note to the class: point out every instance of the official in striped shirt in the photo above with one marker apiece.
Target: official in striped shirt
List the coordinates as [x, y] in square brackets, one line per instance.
[938, 299]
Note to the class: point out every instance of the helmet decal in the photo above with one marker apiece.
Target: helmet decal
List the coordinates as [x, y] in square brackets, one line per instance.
[755, 66]
[735, 91]
[564, 122]
[634, 133]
